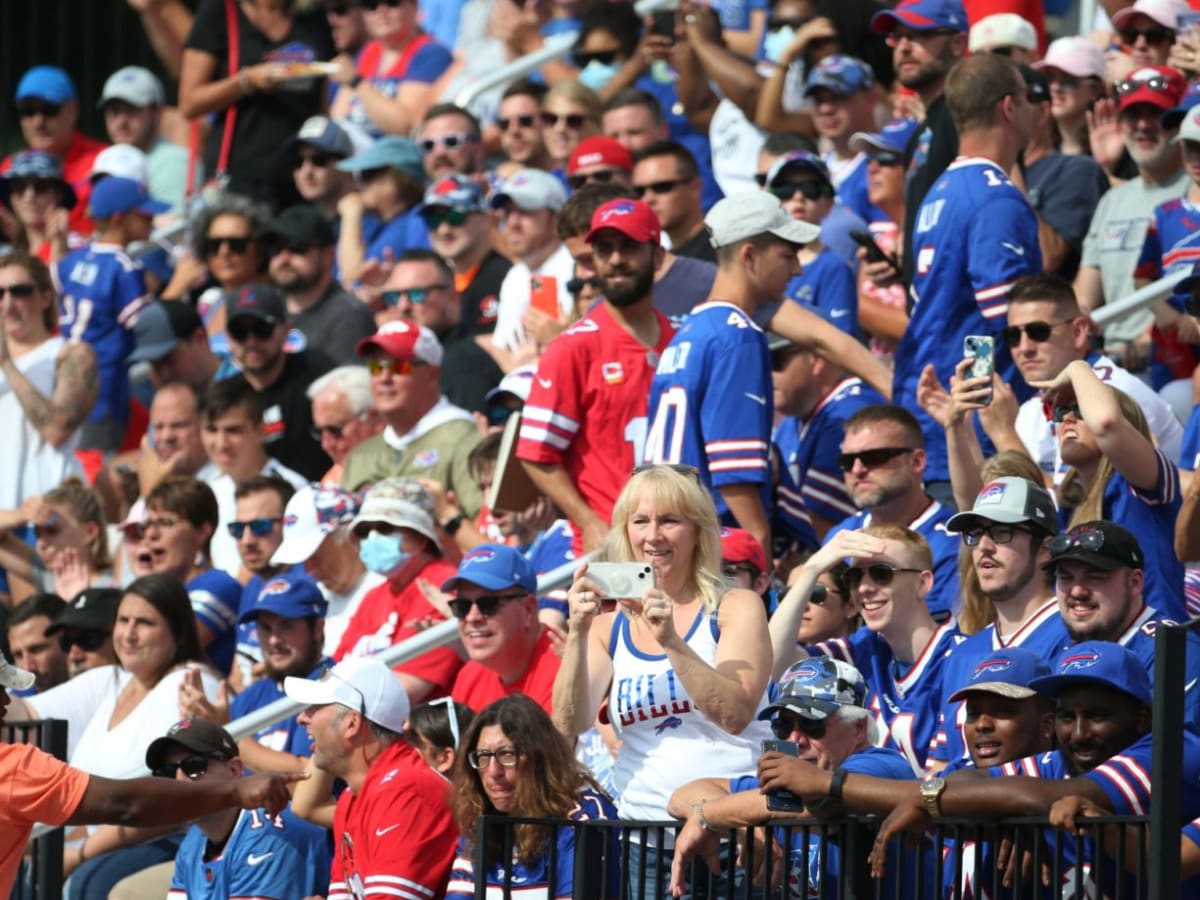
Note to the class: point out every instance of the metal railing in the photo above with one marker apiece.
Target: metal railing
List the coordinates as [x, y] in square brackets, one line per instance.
[41, 874]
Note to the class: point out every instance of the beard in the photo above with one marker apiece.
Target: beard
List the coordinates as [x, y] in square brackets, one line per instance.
[637, 288]
[290, 280]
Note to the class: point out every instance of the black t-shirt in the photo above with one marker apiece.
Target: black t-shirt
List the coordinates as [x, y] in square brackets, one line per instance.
[265, 121]
[287, 415]
[468, 371]
[926, 159]
[335, 325]
[698, 246]
[481, 300]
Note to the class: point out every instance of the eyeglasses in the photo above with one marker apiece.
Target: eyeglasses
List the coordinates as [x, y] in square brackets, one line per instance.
[880, 573]
[212, 245]
[449, 141]
[1090, 540]
[658, 187]
[1158, 84]
[240, 329]
[784, 725]
[392, 366]
[997, 532]
[362, 529]
[506, 756]
[487, 604]
[18, 186]
[87, 641]
[22, 291]
[917, 37]
[320, 160]
[871, 458]
[1154, 36]
[1056, 414]
[812, 190]
[1035, 331]
[415, 296]
[677, 468]
[27, 109]
[526, 121]
[886, 160]
[258, 527]
[730, 570]
[163, 522]
[433, 217]
[192, 766]
[574, 121]
[133, 531]
[604, 57]
[604, 176]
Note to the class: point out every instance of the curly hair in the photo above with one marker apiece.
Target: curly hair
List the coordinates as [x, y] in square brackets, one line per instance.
[228, 204]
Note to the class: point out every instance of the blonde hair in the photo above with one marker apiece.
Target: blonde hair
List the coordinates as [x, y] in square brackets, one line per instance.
[1087, 500]
[85, 507]
[668, 489]
[581, 95]
[907, 537]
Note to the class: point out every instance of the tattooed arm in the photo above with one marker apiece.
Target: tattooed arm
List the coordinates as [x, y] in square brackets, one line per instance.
[76, 387]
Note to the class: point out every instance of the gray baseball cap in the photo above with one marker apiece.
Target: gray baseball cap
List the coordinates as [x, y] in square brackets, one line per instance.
[1011, 501]
[751, 213]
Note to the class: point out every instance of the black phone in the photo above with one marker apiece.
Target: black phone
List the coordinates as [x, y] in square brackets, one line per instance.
[782, 800]
[663, 23]
[874, 251]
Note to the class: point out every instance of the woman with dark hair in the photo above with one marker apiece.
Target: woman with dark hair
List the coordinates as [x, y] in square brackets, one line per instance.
[516, 764]
[436, 728]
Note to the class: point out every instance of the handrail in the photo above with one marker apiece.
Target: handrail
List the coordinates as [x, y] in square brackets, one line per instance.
[1139, 299]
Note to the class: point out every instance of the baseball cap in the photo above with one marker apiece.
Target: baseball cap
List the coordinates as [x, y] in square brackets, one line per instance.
[751, 213]
[921, 15]
[1009, 500]
[1105, 545]
[403, 341]
[530, 189]
[114, 195]
[518, 382]
[1075, 55]
[364, 684]
[46, 83]
[289, 595]
[891, 138]
[1159, 86]
[494, 567]
[842, 74]
[632, 218]
[324, 134]
[1100, 663]
[798, 159]
[305, 224]
[456, 191]
[37, 164]
[1189, 126]
[1007, 672]
[261, 301]
[92, 609]
[818, 687]
[122, 161]
[391, 153]
[135, 85]
[160, 326]
[1002, 30]
[1173, 117]
[198, 735]
[15, 677]
[399, 502]
[740, 546]
[599, 150]
[1165, 12]
[314, 512]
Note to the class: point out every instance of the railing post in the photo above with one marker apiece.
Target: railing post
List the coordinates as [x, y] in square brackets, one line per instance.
[1166, 805]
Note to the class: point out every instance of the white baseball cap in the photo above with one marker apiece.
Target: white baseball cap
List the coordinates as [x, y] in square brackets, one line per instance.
[1189, 128]
[1165, 12]
[135, 85]
[751, 213]
[120, 161]
[313, 513]
[364, 684]
[1002, 30]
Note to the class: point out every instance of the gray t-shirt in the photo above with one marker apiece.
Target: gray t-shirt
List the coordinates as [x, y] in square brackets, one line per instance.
[336, 325]
[687, 283]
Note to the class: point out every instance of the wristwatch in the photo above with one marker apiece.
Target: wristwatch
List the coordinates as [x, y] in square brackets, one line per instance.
[931, 792]
[837, 783]
[451, 525]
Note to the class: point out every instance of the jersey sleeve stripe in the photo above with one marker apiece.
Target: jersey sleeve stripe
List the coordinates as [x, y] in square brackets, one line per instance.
[206, 603]
[714, 447]
[733, 465]
[838, 503]
[993, 293]
[130, 311]
[549, 417]
[836, 484]
[1117, 778]
[543, 436]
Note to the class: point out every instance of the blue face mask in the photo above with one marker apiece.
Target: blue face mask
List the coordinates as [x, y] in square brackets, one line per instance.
[777, 41]
[596, 74]
[382, 554]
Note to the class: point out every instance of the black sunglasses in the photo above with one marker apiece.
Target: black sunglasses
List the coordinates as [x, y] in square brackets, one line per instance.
[47, 531]
[1090, 540]
[192, 766]
[887, 160]
[1035, 331]
[340, 7]
[784, 724]
[774, 23]
[1058, 412]
[526, 121]
[22, 291]
[573, 121]
[87, 641]
[880, 573]
[998, 532]
[258, 527]
[487, 604]
[1153, 36]
[320, 160]
[575, 285]
[240, 329]
[871, 458]
[731, 570]
[362, 529]
[27, 109]
[434, 216]
[658, 187]
[235, 244]
[812, 190]
[678, 468]
[319, 431]
[820, 593]
[604, 57]
[604, 176]
[375, 4]
[294, 246]
[19, 185]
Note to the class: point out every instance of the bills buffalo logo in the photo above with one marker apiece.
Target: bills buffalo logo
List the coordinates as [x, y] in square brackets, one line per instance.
[668, 724]
[272, 588]
[478, 556]
[992, 667]
[991, 493]
[617, 209]
[802, 672]
[1077, 661]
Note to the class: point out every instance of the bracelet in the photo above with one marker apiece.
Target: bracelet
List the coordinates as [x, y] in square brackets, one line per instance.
[244, 82]
[698, 811]
[837, 783]
[355, 81]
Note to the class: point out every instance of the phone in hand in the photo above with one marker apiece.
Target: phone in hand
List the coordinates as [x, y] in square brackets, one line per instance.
[981, 350]
[621, 581]
[874, 251]
[782, 800]
[663, 23]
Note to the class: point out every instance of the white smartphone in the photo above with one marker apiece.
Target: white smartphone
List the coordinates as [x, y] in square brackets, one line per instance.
[621, 581]
[981, 350]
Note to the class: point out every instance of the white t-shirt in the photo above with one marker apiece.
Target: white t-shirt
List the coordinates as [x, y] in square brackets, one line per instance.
[223, 549]
[515, 291]
[735, 142]
[343, 606]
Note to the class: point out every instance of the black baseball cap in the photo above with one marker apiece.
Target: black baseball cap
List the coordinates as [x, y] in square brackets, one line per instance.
[198, 735]
[92, 609]
[305, 224]
[1105, 545]
[260, 301]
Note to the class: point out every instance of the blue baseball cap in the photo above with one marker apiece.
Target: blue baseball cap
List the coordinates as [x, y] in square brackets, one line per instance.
[460, 192]
[1173, 117]
[495, 567]
[36, 164]
[48, 83]
[803, 159]
[842, 74]
[1006, 672]
[1100, 663]
[388, 153]
[922, 15]
[290, 595]
[113, 195]
[891, 138]
[818, 687]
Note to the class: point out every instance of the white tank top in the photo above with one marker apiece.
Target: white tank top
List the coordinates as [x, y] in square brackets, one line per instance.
[667, 741]
[29, 464]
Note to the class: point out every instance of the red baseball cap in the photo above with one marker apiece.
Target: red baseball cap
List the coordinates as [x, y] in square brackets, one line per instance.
[599, 151]
[632, 218]
[740, 546]
[403, 341]
[1159, 86]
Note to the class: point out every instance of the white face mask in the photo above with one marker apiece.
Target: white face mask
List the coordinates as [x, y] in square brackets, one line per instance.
[777, 41]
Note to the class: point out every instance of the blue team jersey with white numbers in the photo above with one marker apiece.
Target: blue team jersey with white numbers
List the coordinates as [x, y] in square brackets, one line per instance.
[1172, 242]
[712, 401]
[975, 235]
[101, 292]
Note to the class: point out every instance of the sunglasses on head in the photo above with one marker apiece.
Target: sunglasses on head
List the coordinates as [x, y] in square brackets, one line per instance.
[487, 604]
[433, 217]
[240, 329]
[22, 291]
[415, 296]
[604, 57]
[658, 187]
[191, 766]
[392, 366]
[258, 527]
[449, 141]
[677, 468]
[785, 724]
[1154, 36]
[997, 532]
[213, 245]
[574, 121]
[1035, 331]
[1090, 540]
[320, 160]
[871, 458]
[812, 190]
[882, 574]
[604, 176]
[87, 641]
[1158, 84]
[27, 109]
[886, 159]
[525, 121]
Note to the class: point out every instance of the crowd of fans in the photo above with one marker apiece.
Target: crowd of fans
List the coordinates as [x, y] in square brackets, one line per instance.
[793, 304]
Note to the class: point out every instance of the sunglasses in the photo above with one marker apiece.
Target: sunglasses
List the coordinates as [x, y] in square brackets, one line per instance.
[435, 216]
[297, 247]
[1158, 84]
[820, 593]
[192, 766]
[1056, 414]
[775, 23]
[22, 291]
[319, 431]
[997, 532]
[340, 9]
[887, 160]
[87, 641]
[27, 109]
[38, 185]
[375, 4]
[258, 527]
[451, 717]
[526, 121]
[604, 176]
[487, 604]
[658, 187]
[576, 285]
[871, 458]
[916, 37]
[731, 570]
[320, 160]
[760, 178]
[133, 531]
[498, 415]
[1065, 82]
[213, 245]
[506, 756]
[812, 190]
[1090, 540]
[574, 121]
[47, 531]
[392, 366]
[1154, 36]
[785, 724]
[415, 296]
[880, 573]
[604, 57]
[449, 141]
[1035, 331]
[677, 468]
[240, 329]
[362, 529]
